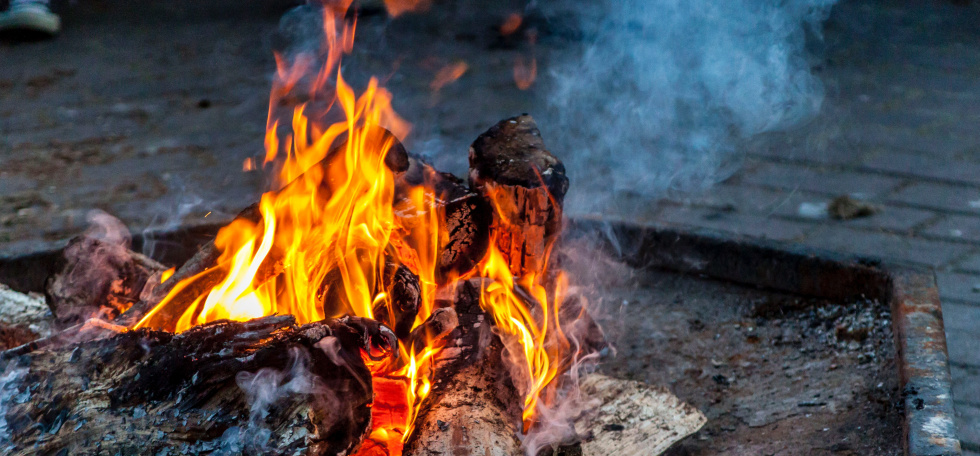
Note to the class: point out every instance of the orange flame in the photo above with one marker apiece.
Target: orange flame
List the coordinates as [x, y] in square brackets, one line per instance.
[527, 308]
[525, 72]
[448, 74]
[398, 7]
[321, 242]
[511, 24]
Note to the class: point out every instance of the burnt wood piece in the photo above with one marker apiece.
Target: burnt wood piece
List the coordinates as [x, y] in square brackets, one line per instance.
[474, 407]
[435, 328]
[404, 298]
[97, 279]
[265, 386]
[465, 215]
[23, 318]
[526, 185]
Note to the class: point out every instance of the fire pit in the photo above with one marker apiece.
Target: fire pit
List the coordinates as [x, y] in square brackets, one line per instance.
[784, 350]
[370, 304]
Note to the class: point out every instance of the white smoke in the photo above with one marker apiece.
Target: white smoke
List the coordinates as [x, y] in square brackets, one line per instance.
[665, 89]
[264, 389]
[10, 393]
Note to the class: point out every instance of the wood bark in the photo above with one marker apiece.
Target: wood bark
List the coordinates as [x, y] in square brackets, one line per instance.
[97, 279]
[525, 184]
[265, 386]
[474, 408]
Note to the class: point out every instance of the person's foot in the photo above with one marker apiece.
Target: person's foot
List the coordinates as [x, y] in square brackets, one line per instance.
[30, 16]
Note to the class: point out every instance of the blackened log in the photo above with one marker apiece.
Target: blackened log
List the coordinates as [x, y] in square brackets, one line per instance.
[265, 386]
[465, 215]
[404, 299]
[526, 185]
[474, 407]
[440, 324]
[97, 279]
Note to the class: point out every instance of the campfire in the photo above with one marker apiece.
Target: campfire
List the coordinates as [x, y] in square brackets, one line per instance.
[368, 304]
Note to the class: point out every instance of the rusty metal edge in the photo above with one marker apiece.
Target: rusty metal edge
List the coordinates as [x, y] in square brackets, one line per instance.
[923, 365]
[928, 424]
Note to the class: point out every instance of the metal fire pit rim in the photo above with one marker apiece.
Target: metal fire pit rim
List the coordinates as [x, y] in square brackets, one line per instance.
[912, 293]
[917, 321]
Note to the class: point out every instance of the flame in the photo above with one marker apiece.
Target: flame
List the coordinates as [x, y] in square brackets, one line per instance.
[527, 308]
[525, 72]
[167, 274]
[448, 74]
[397, 7]
[319, 244]
[511, 24]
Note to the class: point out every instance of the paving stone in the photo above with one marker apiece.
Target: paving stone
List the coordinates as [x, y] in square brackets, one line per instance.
[889, 247]
[821, 181]
[955, 227]
[970, 263]
[966, 383]
[968, 425]
[923, 165]
[963, 347]
[959, 286]
[734, 222]
[961, 316]
[955, 198]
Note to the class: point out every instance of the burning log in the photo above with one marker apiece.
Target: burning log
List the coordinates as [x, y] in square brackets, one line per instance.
[474, 407]
[526, 185]
[465, 215]
[97, 279]
[405, 297]
[306, 390]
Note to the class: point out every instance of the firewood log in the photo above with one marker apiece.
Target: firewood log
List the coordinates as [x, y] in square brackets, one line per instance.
[474, 407]
[265, 386]
[526, 185]
[97, 279]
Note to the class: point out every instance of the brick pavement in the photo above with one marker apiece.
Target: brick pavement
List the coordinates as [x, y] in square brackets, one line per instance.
[907, 142]
[898, 128]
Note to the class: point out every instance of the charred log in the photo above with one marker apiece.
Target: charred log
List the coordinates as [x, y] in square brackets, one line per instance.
[466, 217]
[404, 298]
[265, 386]
[97, 279]
[474, 407]
[526, 185]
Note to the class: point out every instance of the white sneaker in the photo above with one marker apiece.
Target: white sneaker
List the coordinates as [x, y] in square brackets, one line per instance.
[30, 17]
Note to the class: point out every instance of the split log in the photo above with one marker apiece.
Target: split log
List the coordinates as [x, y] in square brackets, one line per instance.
[474, 407]
[97, 279]
[23, 318]
[526, 185]
[632, 417]
[466, 218]
[404, 299]
[265, 386]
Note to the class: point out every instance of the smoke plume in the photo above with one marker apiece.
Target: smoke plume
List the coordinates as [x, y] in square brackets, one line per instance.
[665, 89]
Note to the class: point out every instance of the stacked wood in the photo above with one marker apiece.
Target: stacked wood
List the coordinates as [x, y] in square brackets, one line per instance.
[526, 185]
[474, 407]
[264, 386]
[97, 279]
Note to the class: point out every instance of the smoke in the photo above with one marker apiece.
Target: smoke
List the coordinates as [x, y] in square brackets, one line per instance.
[664, 91]
[263, 390]
[10, 393]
